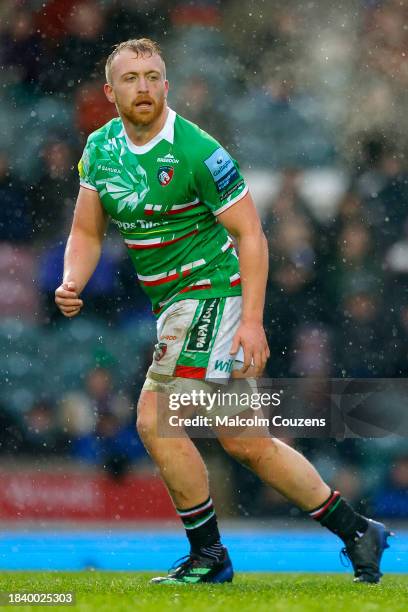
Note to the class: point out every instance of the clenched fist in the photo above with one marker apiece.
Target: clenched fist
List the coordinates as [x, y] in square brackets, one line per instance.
[67, 299]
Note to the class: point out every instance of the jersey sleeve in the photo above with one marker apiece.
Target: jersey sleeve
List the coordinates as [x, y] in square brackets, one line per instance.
[85, 168]
[218, 179]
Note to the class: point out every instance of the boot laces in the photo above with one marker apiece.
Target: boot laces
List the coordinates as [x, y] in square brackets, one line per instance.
[184, 563]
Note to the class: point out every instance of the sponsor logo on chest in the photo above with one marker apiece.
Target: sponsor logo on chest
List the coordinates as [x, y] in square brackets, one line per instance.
[135, 225]
[109, 169]
[168, 159]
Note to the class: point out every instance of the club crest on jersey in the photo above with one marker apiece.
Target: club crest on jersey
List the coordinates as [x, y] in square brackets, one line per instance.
[160, 350]
[165, 174]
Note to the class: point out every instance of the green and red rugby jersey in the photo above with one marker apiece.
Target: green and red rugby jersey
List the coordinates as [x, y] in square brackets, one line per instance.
[164, 197]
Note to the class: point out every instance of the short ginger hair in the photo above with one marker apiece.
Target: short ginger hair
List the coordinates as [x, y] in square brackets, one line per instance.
[140, 46]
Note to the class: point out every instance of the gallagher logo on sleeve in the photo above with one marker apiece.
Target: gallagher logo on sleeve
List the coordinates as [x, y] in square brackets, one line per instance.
[165, 174]
[222, 168]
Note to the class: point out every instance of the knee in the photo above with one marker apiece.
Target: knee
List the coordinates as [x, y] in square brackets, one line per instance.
[240, 449]
[145, 428]
[248, 451]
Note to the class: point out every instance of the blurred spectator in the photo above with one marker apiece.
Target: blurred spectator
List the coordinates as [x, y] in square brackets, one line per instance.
[356, 260]
[99, 386]
[362, 335]
[100, 294]
[396, 258]
[51, 18]
[15, 223]
[284, 124]
[289, 202]
[78, 424]
[80, 53]
[293, 295]
[311, 352]
[92, 108]
[129, 19]
[392, 500]
[201, 13]
[276, 29]
[18, 291]
[20, 48]
[378, 92]
[99, 425]
[195, 100]
[398, 337]
[52, 196]
[41, 434]
[11, 438]
[382, 183]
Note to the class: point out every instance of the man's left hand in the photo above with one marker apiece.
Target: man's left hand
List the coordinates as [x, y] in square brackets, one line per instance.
[251, 336]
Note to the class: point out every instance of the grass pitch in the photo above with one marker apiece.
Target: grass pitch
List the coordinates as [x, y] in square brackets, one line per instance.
[122, 591]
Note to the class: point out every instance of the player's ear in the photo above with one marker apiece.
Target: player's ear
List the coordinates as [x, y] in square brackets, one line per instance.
[166, 87]
[108, 89]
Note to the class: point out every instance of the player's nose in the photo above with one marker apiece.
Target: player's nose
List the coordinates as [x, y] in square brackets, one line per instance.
[143, 85]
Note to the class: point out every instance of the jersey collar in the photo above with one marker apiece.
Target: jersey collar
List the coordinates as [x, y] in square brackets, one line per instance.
[166, 133]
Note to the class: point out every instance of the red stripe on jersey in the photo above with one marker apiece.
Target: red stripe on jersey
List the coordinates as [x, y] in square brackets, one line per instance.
[160, 244]
[181, 210]
[196, 288]
[160, 281]
[235, 282]
[189, 372]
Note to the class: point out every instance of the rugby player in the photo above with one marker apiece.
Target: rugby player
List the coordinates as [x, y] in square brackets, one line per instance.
[177, 197]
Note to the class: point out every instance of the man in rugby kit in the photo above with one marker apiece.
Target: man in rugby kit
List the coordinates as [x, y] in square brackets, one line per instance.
[177, 197]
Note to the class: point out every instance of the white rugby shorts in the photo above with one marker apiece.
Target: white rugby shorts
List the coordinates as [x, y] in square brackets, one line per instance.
[194, 339]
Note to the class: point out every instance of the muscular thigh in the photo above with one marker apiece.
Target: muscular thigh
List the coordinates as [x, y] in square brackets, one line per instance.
[153, 415]
[192, 355]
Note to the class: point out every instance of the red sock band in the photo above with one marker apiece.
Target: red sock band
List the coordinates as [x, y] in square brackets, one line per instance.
[319, 512]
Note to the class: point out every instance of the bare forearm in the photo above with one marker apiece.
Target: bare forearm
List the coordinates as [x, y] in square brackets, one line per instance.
[253, 261]
[81, 258]
[242, 221]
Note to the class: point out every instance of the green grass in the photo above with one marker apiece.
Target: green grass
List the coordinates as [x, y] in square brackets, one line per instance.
[119, 591]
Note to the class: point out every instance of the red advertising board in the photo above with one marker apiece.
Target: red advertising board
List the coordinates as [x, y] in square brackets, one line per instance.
[82, 496]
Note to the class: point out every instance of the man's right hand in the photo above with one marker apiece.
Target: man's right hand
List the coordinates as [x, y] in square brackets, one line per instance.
[67, 299]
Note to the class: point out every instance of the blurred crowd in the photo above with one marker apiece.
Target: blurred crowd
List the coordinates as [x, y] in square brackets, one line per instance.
[286, 87]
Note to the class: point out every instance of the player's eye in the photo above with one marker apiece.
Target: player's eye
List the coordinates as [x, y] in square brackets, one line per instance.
[130, 78]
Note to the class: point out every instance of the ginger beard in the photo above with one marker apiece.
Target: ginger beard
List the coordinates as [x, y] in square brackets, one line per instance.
[143, 110]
